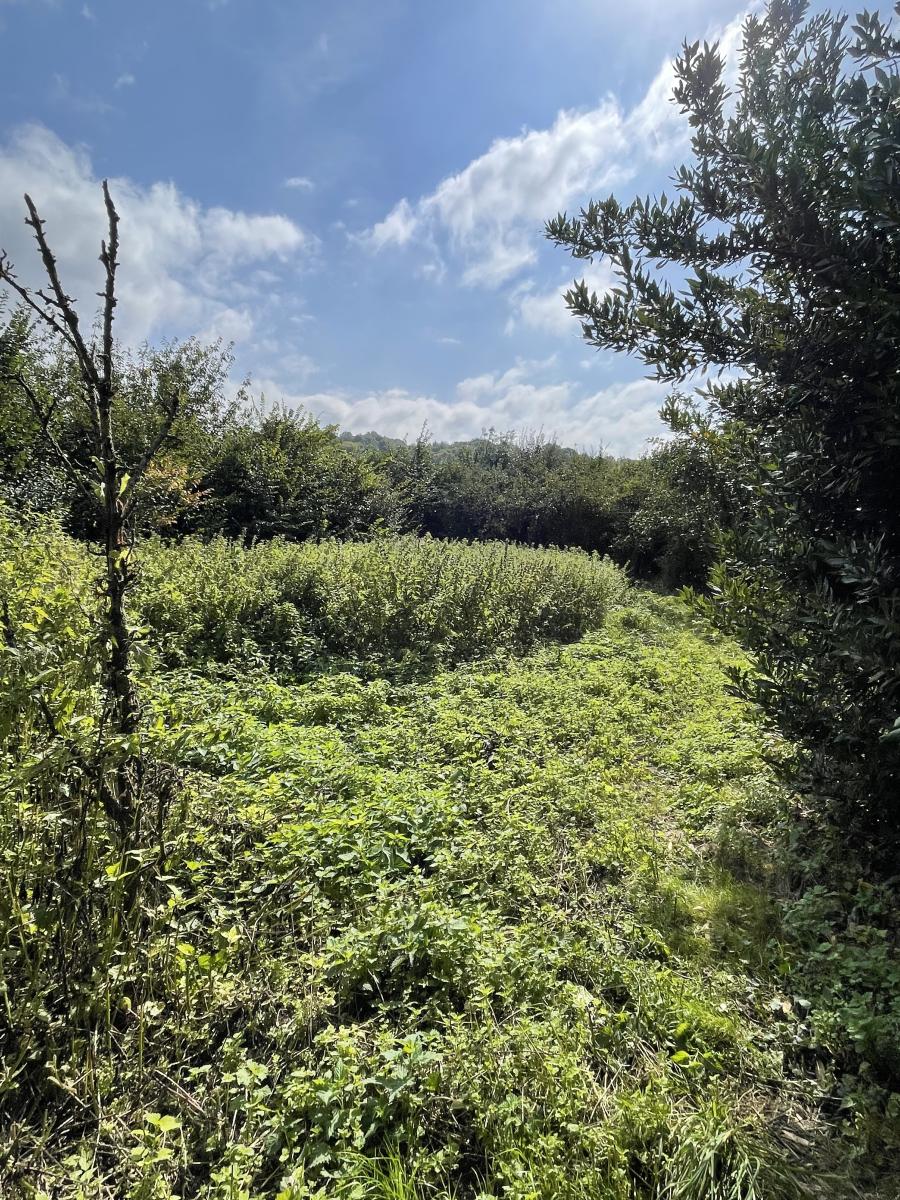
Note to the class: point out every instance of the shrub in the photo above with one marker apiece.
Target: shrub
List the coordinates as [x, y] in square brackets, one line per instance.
[389, 597]
[778, 260]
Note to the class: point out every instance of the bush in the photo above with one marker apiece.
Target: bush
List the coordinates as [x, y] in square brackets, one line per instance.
[70, 917]
[778, 259]
[287, 603]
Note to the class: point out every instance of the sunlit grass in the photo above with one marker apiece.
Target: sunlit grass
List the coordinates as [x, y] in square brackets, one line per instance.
[468, 932]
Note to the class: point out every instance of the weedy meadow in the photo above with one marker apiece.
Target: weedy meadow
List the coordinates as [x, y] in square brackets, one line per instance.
[458, 876]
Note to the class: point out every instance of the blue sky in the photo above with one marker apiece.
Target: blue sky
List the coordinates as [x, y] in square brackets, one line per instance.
[353, 193]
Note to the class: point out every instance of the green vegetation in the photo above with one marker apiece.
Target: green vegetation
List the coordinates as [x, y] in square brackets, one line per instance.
[657, 513]
[502, 928]
[340, 861]
[778, 260]
[231, 468]
[289, 604]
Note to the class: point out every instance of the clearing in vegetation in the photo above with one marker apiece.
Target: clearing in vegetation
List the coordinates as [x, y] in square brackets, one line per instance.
[406, 927]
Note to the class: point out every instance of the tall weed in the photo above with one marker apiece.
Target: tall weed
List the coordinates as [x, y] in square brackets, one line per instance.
[287, 603]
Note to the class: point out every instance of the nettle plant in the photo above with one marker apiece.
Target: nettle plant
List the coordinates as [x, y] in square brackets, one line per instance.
[786, 235]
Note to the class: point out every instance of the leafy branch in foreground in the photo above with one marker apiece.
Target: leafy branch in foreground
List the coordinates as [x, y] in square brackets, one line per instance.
[786, 237]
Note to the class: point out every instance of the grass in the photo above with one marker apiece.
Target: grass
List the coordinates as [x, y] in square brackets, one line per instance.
[499, 929]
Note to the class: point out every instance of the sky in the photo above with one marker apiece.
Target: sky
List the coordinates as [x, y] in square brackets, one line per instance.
[353, 194]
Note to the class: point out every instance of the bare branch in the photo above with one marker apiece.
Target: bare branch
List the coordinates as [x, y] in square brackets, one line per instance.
[120, 793]
[62, 302]
[7, 276]
[109, 259]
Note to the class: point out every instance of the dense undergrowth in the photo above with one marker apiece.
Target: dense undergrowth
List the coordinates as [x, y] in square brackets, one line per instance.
[288, 604]
[516, 927]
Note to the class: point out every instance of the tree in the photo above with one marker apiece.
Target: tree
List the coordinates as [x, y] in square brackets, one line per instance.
[780, 261]
[283, 474]
[680, 504]
[106, 482]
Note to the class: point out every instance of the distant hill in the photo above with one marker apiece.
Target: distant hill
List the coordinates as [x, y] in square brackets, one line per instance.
[372, 441]
[380, 443]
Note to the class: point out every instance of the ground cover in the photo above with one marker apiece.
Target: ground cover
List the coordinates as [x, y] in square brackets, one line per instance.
[507, 927]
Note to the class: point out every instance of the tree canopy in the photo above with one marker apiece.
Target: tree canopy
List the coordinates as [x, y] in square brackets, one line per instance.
[776, 267]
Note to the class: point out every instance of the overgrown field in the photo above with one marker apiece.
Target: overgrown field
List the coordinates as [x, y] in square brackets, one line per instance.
[416, 925]
[289, 604]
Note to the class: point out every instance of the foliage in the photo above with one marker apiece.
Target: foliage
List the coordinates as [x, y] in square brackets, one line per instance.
[30, 475]
[84, 380]
[438, 916]
[503, 929]
[284, 474]
[658, 514]
[170, 494]
[288, 604]
[681, 504]
[786, 237]
[232, 468]
[69, 912]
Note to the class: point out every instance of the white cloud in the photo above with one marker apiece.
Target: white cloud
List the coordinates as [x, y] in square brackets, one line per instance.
[396, 229]
[294, 365]
[299, 183]
[491, 212]
[126, 79]
[620, 418]
[547, 311]
[184, 267]
[229, 325]
[240, 238]
[88, 13]
[493, 209]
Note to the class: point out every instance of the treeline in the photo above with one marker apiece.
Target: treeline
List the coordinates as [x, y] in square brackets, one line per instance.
[234, 468]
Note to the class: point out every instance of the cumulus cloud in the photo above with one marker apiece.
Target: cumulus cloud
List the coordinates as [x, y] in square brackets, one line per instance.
[126, 79]
[490, 212]
[230, 324]
[620, 417]
[299, 183]
[184, 267]
[396, 229]
[547, 311]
